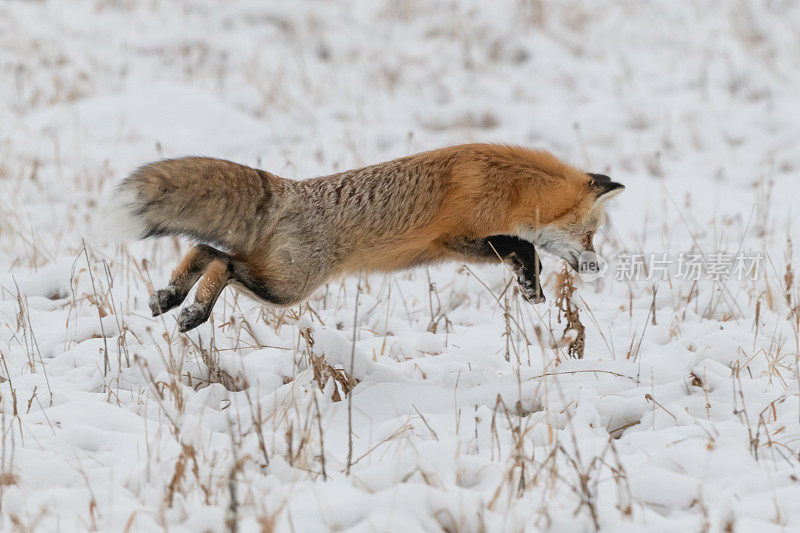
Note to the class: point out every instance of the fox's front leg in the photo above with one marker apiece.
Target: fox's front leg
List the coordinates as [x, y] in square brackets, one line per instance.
[520, 254]
[183, 279]
[524, 261]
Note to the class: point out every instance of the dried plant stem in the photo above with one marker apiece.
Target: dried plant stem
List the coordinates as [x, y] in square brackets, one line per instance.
[97, 305]
[350, 396]
[321, 439]
[565, 287]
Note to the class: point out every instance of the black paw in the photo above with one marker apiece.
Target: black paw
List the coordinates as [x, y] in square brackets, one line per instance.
[163, 300]
[529, 284]
[531, 291]
[193, 316]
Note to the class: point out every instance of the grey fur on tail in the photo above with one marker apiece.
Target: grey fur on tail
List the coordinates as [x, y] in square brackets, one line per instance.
[212, 201]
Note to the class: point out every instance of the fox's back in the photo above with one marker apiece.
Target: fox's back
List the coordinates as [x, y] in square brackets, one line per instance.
[378, 203]
[456, 188]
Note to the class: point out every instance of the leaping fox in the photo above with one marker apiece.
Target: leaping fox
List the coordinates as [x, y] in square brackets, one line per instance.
[281, 239]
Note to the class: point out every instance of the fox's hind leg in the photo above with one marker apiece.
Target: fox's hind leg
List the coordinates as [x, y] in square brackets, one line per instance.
[216, 277]
[282, 286]
[183, 279]
[520, 254]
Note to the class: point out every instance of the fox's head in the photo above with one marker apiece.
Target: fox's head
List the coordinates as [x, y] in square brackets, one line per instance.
[570, 235]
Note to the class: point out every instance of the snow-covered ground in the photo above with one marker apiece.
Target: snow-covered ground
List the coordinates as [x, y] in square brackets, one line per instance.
[468, 414]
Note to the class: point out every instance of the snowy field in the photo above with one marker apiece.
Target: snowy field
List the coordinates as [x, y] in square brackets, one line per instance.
[467, 412]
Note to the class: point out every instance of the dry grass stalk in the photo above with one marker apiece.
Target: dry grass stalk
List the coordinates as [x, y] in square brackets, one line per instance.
[217, 374]
[324, 371]
[565, 287]
[788, 276]
[177, 476]
[100, 311]
[350, 396]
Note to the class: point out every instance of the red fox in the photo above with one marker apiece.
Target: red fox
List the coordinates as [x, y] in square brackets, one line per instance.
[281, 239]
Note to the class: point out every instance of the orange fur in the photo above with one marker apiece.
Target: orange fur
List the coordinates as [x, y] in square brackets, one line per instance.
[490, 189]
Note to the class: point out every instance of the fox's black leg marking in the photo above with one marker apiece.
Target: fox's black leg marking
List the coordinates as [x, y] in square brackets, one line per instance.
[520, 253]
[165, 299]
[183, 279]
[524, 261]
[529, 279]
[192, 316]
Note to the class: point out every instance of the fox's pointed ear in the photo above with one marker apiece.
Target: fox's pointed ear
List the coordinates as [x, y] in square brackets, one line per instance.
[604, 188]
[598, 178]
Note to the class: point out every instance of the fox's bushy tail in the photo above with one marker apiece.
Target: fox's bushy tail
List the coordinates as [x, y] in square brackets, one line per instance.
[217, 202]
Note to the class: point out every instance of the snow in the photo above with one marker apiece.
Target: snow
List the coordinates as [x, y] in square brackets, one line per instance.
[684, 413]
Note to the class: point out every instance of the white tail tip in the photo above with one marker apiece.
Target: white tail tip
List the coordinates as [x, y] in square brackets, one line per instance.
[117, 220]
